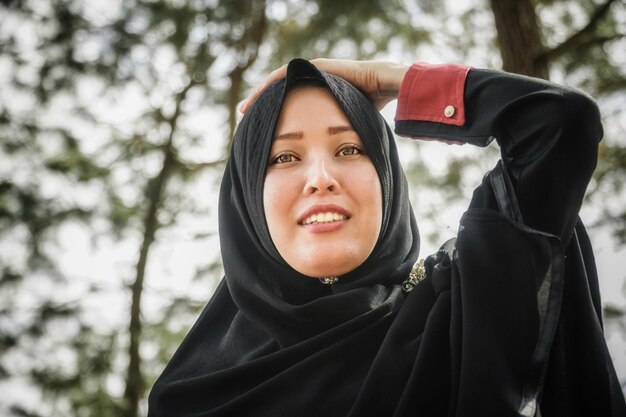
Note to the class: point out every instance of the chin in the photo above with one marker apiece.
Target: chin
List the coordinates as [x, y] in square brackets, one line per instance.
[322, 273]
[334, 265]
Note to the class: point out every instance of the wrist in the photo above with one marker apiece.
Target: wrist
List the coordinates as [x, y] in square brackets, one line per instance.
[392, 80]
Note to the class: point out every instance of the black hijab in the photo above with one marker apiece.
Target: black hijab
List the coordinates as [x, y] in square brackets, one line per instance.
[271, 338]
[473, 338]
[288, 306]
[269, 329]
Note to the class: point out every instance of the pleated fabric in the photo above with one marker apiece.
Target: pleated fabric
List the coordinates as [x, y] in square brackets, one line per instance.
[473, 338]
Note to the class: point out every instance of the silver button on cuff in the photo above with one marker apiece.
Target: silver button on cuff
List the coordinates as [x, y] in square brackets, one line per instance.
[449, 111]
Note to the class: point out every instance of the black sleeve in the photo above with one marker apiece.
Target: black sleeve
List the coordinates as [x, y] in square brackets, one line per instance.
[548, 136]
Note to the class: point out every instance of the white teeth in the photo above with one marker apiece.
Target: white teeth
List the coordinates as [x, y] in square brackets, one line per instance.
[327, 217]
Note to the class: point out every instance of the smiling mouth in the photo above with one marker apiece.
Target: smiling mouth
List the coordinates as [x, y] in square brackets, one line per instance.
[321, 218]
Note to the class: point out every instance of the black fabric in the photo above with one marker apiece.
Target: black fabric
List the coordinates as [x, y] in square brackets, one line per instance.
[475, 337]
[286, 305]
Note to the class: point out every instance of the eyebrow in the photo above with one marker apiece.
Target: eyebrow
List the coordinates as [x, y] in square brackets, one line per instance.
[332, 130]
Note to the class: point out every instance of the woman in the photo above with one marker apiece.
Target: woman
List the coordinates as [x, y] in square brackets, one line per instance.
[502, 321]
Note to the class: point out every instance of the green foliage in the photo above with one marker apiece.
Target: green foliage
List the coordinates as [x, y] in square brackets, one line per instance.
[311, 29]
[609, 180]
[103, 128]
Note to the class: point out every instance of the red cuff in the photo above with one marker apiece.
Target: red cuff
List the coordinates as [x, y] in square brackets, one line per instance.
[433, 93]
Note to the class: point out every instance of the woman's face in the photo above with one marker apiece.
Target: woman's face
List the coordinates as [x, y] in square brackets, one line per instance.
[322, 195]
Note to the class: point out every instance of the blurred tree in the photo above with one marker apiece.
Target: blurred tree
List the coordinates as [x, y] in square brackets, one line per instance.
[518, 30]
[52, 50]
[161, 57]
[40, 157]
[103, 116]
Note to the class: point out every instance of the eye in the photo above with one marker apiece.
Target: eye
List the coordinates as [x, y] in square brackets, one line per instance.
[284, 158]
[349, 150]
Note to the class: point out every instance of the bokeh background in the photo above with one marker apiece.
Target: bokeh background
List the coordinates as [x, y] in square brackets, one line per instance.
[115, 123]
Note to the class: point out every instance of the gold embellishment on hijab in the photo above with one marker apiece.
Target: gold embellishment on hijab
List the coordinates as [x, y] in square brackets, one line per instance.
[329, 280]
[418, 273]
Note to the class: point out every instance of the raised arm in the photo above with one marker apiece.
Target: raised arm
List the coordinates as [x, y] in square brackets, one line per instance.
[379, 81]
[548, 134]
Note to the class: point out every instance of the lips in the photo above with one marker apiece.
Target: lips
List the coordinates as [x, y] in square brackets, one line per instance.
[321, 214]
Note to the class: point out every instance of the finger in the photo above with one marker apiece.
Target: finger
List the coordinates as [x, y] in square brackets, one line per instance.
[273, 76]
[355, 72]
[341, 67]
[239, 112]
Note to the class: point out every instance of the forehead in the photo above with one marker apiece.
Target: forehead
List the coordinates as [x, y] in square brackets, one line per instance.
[310, 105]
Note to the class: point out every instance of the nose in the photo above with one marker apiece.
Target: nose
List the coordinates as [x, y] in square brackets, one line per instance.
[321, 178]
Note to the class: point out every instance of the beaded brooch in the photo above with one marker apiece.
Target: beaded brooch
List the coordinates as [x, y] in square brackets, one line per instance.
[418, 273]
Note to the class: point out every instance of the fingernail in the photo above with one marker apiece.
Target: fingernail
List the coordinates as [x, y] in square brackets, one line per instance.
[259, 88]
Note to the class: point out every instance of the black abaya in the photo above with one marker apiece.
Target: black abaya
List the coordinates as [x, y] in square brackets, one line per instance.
[502, 324]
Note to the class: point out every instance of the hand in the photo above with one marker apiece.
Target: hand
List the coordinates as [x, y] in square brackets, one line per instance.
[378, 80]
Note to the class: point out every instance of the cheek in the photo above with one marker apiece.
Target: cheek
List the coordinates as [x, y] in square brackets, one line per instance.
[369, 193]
[377, 207]
[277, 196]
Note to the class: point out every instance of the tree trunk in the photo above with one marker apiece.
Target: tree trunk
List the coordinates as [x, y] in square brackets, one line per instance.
[134, 380]
[135, 387]
[519, 38]
[246, 56]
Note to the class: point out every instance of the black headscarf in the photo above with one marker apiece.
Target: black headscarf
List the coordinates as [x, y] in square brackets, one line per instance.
[474, 338]
[288, 306]
[269, 333]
